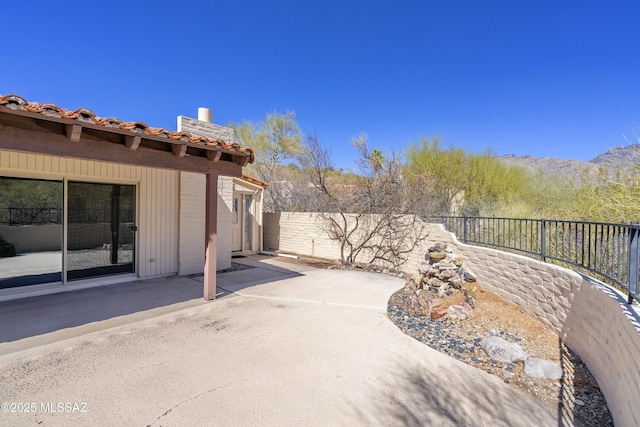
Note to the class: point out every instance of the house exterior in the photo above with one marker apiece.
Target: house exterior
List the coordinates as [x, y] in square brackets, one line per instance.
[239, 204]
[87, 201]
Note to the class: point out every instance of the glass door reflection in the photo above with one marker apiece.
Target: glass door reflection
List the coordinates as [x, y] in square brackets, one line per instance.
[100, 229]
[30, 231]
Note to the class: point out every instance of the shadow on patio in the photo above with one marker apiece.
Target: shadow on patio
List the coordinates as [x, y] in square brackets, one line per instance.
[40, 320]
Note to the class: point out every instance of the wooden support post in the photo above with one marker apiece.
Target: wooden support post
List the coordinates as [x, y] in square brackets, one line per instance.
[211, 236]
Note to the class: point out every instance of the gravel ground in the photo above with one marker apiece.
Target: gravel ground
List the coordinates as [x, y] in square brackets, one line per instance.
[577, 396]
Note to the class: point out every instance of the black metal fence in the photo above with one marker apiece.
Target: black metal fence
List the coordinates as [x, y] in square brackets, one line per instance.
[43, 216]
[607, 250]
[30, 216]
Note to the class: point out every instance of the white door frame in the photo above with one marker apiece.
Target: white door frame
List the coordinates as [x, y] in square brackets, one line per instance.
[238, 221]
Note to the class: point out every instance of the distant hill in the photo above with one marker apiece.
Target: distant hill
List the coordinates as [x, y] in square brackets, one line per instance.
[622, 157]
[570, 168]
[619, 156]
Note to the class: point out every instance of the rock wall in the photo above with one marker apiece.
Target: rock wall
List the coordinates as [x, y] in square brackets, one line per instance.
[591, 318]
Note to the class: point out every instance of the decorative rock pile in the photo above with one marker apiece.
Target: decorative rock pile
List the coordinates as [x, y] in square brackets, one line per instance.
[444, 290]
[440, 276]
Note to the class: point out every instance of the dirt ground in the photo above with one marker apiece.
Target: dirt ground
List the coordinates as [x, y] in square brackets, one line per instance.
[577, 396]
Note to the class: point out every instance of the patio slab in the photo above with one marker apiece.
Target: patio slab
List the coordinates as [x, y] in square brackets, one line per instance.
[311, 348]
[47, 319]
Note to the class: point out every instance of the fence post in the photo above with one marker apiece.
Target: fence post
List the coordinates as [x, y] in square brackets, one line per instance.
[634, 256]
[543, 240]
[465, 228]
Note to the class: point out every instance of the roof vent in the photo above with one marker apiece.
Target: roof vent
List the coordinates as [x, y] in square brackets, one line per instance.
[204, 115]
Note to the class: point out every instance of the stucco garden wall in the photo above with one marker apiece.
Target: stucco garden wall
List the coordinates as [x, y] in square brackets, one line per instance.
[591, 318]
[33, 238]
[299, 233]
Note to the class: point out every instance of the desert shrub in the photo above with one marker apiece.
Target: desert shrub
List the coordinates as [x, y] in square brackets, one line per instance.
[7, 249]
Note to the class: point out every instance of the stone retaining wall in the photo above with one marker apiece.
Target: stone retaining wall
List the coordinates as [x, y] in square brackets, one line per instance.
[591, 318]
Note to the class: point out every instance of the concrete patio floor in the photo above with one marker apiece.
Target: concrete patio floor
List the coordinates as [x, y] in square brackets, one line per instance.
[285, 344]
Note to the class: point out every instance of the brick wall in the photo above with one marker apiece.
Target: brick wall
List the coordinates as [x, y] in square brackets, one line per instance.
[225, 195]
[192, 223]
[591, 318]
[210, 130]
[192, 206]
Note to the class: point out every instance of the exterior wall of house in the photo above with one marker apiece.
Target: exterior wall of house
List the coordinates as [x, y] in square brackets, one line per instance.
[192, 208]
[242, 187]
[225, 196]
[591, 318]
[192, 223]
[157, 194]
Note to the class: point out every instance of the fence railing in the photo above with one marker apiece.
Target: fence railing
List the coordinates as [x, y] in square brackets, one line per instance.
[30, 216]
[608, 250]
[42, 216]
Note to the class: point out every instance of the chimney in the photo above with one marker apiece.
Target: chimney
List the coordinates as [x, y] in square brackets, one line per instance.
[204, 114]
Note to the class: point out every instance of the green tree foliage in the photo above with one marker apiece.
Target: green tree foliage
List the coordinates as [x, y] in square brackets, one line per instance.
[454, 181]
[277, 142]
[613, 197]
[30, 193]
[543, 196]
[26, 200]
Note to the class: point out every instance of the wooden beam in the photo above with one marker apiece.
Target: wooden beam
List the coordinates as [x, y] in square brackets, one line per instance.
[129, 138]
[93, 148]
[211, 236]
[74, 132]
[179, 150]
[133, 142]
[214, 156]
[241, 160]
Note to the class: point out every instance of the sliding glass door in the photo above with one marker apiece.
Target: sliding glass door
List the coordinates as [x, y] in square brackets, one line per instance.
[100, 229]
[30, 231]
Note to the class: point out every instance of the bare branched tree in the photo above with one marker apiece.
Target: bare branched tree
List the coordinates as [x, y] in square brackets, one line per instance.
[371, 219]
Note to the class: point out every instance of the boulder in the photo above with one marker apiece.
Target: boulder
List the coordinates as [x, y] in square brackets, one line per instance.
[502, 350]
[437, 256]
[459, 311]
[542, 368]
[424, 268]
[468, 277]
[411, 285]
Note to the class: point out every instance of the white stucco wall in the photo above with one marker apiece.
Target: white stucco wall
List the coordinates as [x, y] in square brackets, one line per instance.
[192, 206]
[192, 223]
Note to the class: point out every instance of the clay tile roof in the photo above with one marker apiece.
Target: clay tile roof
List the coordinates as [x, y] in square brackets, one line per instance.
[16, 102]
[255, 181]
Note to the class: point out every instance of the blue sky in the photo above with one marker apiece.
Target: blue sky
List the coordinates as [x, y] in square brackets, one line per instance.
[540, 78]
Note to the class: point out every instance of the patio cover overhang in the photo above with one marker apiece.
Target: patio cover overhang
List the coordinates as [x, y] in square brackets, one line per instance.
[51, 130]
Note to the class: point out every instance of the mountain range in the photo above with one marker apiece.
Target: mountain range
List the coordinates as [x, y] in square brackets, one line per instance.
[617, 157]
